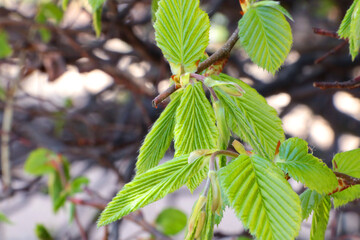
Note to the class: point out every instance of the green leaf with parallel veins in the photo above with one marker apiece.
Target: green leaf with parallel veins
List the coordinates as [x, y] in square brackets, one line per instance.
[261, 197]
[5, 48]
[274, 4]
[182, 33]
[251, 118]
[295, 160]
[354, 38]
[195, 122]
[309, 201]
[320, 219]
[149, 187]
[171, 221]
[344, 29]
[266, 36]
[158, 140]
[154, 8]
[348, 163]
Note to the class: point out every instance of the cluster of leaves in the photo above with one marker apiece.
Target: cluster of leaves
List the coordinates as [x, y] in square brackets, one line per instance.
[44, 162]
[254, 182]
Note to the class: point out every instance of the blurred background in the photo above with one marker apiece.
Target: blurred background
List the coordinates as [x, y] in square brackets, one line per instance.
[88, 100]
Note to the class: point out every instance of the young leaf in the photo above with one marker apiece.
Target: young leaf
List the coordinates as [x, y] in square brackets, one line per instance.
[38, 162]
[344, 29]
[154, 8]
[195, 122]
[77, 183]
[5, 48]
[208, 228]
[158, 140]
[149, 187]
[4, 218]
[295, 160]
[266, 36]
[42, 233]
[97, 21]
[171, 221]
[348, 163]
[251, 118]
[182, 33]
[354, 38]
[276, 5]
[96, 4]
[310, 200]
[261, 197]
[320, 219]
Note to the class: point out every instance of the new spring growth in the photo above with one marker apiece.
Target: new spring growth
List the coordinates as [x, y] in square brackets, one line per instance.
[200, 224]
[224, 131]
[196, 215]
[216, 194]
[239, 147]
[230, 88]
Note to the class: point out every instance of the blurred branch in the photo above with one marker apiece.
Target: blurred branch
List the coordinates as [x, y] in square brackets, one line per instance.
[7, 123]
[351, 84]
[327, 33]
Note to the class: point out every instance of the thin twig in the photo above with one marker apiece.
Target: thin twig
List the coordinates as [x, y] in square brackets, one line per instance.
[326, 33]
[349, 180]
[331, 52]
[81, 228]
[351, 84]
[222, 53]
[7, 123]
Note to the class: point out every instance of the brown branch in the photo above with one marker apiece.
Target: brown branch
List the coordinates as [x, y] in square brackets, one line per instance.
[331, 52]
[220, 54]
[349, 180]
[351, 84]
[81, 228]
[327, 33]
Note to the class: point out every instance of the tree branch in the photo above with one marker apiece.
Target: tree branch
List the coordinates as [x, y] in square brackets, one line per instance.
[351, 84]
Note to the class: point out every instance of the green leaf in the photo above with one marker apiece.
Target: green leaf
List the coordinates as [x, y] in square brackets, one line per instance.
[154, 8]
[295, 160]
[64, 4]
[195, 122]
[344, 29]
[49, 11]
[159, 138]
[38, 162]
[266, 36]
[261, 197]
[171, 221]
[320, 219]
[77, 183]
[96, 4]
[149, 187]
[42, 233]
[56, 191]
[97, 21]
[276, 5]
[354, 38]
[348, 163]
[5, 48]
[251, 118]
[208, 228]
[182, 33]
[4, 218]
[309, 201]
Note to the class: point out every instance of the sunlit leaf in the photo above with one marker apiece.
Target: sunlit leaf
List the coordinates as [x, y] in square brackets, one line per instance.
[182, 33]
[310, 200]
[149, 187]
[251, 118]
[158, 140]
[261, 197]
[295, 160]
[320, 219]
[266, 36]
